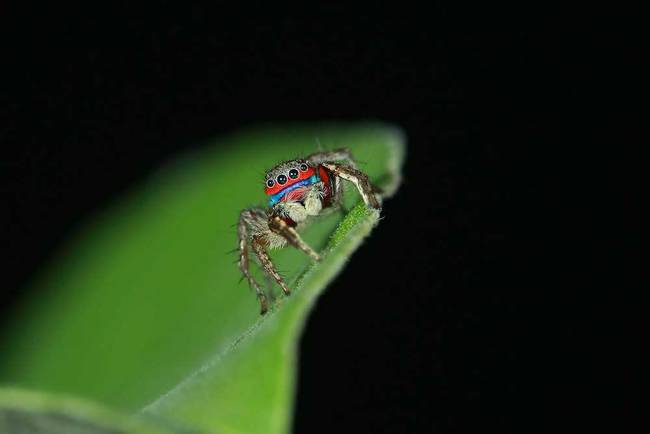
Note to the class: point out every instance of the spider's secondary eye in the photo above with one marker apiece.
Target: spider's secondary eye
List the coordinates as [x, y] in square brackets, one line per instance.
[282, 179]
[270, 183]
[293, 173]
[304, 167]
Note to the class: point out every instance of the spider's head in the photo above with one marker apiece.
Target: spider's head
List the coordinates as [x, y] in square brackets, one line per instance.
[288, 176]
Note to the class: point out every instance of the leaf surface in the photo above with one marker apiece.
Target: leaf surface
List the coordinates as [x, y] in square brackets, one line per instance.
[143, 310]
[28, 412]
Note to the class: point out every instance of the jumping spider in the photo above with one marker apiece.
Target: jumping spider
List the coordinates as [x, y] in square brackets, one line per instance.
[297, 190]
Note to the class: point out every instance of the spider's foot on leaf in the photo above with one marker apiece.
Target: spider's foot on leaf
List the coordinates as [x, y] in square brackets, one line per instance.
[264, 306]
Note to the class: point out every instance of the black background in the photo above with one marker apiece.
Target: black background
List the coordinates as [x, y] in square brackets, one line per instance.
[495, 287]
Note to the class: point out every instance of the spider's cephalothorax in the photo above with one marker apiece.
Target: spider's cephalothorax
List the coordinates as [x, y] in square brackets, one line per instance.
[296, 190]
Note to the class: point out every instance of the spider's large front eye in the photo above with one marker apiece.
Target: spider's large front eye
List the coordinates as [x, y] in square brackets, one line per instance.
[270, 183]
[293, 173]
[281, 179]
[304, 167]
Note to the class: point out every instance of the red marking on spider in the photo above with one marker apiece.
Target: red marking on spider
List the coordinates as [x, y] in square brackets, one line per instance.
[277, 187]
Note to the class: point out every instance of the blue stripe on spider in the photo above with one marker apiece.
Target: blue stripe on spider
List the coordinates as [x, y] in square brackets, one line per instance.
[277, 197]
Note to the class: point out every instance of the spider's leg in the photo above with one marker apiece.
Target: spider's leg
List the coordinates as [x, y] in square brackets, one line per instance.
[339, 194]
[247, 218]
[280, 227]
[267, 265]
[342, 154]
[359, 179]
[269, 286]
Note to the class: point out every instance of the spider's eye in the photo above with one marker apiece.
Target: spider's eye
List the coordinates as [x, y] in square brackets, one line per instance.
[304, 167]
[270, 183]
[293, 173]
[281, 179]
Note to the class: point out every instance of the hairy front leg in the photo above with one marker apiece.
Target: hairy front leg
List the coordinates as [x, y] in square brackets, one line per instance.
[342, 154]
[280, 227]
[267, 265]
[248, 218]
[359, 179]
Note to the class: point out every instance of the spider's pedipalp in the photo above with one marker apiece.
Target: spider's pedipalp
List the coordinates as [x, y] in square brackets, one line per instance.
[280, 227]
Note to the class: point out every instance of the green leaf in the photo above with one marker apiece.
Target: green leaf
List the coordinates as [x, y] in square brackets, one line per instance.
[143, 311]
[27, 412]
